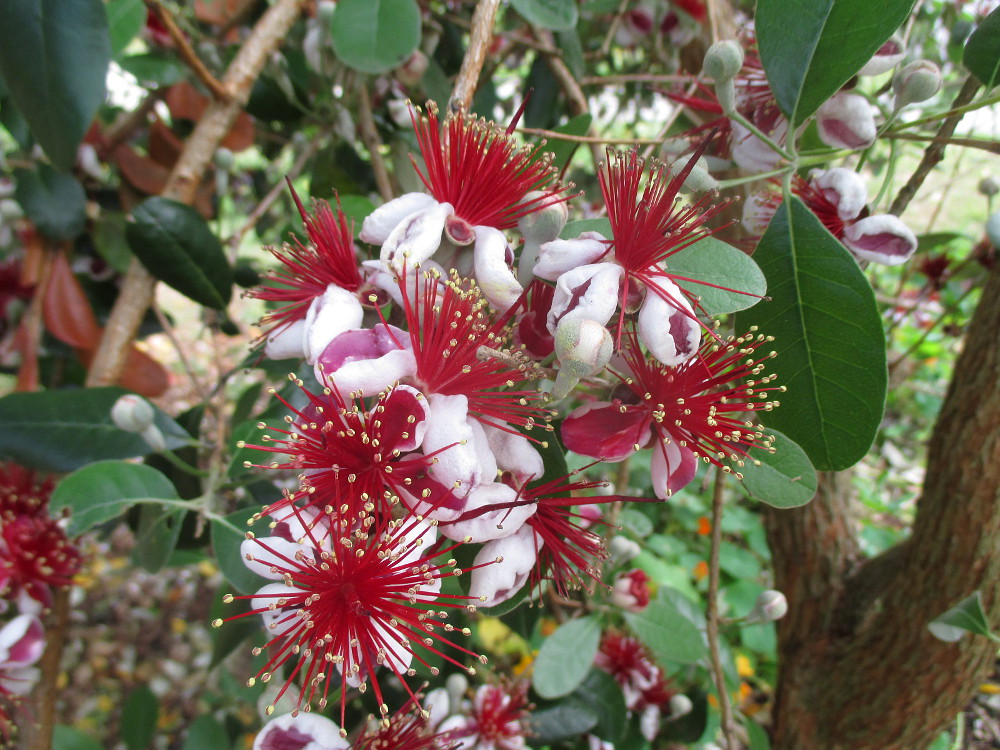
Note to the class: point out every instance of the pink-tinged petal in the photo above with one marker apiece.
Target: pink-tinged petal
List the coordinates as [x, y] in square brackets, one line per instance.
[888, 57]
[669, 329]
[416, 238]
[452, 438]
[607, 431]
[398, 432]
[758, 210]
[844, 188]
[301, 731]
[751, 153]
[22, 642]
[588, 292]
[672, 468]
[368, 360]
[496, 583]
[481, 521]
[516, 454]
[19, 680]
[378, 225]
[559, 256]
[287, 341]
[494, 276]
[338, 310]
[846, 121]
[881, 239]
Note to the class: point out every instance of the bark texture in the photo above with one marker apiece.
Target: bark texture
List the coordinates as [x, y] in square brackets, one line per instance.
[858, 668]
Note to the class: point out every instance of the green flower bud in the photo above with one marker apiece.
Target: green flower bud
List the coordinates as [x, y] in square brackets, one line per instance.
[132, 413]
[583, 347]
[543, 225]
[989, 186]
[723, 61]
[698, 180]
[771, 605]
[916, 82]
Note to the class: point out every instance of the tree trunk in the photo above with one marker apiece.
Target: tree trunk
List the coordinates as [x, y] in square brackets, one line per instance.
[858, 668]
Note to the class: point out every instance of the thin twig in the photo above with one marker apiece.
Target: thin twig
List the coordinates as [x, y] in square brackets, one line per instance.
[612, 28]
[480, 39]
[168, 330]
[186, 51]
[600, 140]
[935, 151]
[981, 143]
[712, 615]
[635, 78]
[369, 134]
[511, 36]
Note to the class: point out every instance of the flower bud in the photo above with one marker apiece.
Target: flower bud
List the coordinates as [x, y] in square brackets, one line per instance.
[411, 72]
[845, 120]
[623, 549]
[723, 61]
[916, 82]
[583, 347]
[631, 591]
[680, 705]
[771, 605]
[545, 224]
[132, 413]
[889, 55]
[699, 180]
[224, 159]
[993, 229]
[325, 10]
[989, 186]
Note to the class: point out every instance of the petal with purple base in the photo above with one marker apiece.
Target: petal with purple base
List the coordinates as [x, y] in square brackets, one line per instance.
[882, 238]
[846, 121]
[668, 327]
[368, 360]
[606, 431]
[378, 225]
[493, 272]
[559, 256]
[671, 468]
[589, 292]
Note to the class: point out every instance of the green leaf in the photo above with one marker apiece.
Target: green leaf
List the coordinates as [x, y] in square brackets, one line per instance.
[109, 240]
[375, 36]
[714, 262]
[139, 716]
[966, 616]
[54, 57]
[153, 70]
[67, 738]
[558, 15]
[156, 537]
[176, 245]
[635, 521]
[227, 535]
[828, 337]
[574, 229]
[667, 632]
[126, 19]
[63, 430]
[982, 51]
[55, 202]
[784, 479]
[809, 60]
[566, 656]
[106, 489]
[562, 151]
[690, 727]
[206, 732]
[602, 693]
[570, 717]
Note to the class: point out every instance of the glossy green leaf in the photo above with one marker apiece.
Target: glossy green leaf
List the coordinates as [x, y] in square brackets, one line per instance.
[718, 264]
[809, 60]
[982, 52]
[828, 336]
[784, 479]
[565, 657]
[569, 718]
[227, 535]
[126, 19]
[63, 430]
[558, 15]
[967, 616]
[157, 535]
[106, 489]
[54, 57]
[177, 246]
[206, 733]
[375, 36]
[139, 716]
[54, 201]
[67, 738]
[672, 637]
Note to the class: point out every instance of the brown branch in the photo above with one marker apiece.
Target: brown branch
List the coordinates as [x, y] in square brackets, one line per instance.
[612, 28]
[199, 149]
[50, 665]
[369, 134]
[479, 44]
[712, 616]
[635, 78]
[186, 51]
[553, 135]
[935, 151]
[981, 143]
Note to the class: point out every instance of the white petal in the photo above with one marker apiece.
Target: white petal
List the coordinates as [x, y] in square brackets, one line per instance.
[490, 524]
[846, 121]
[559, 256]
[587, 292]
[286, 342]
[669, 330]
[450, 433]
[277, 621]
[499, 581]
[758, 210]
[416, 238]
[22, 641]
[338, 310]
[844, 188]
[323, 734]
[888, 57]
[495, 278]
[272, 552]
[753, 154]
[882, 238]
[378, 225]
[19, 680]
[516, 454]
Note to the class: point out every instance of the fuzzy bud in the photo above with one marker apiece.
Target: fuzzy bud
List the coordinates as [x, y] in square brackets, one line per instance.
[916, 82]
[545, 224]
[699, 180]
[989, 186]
[584, 348]
[723, 61]
[623, 549]
[680, 705]
[132, 413]
[771, 605]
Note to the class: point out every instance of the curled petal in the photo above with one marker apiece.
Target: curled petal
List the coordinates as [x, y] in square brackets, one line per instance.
[669, 328]
[589, 292]
[559, 256]
[482, 522]
[267, 558]
[416, 238]
[22, 642]
[888, 57]
[463, 460]
[277, 621]
[300, 731]
[607, 431]
[753, 154]
[287, 341]
[496, 583]
[881, 239]
[336, 311]
[516, 454]
[846, 121]
[493, 272]
[844, 188]
[378, 225]
[368, 360]
[672, 468]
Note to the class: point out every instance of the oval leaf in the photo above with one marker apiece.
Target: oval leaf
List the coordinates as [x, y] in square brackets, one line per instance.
[982, 52]
[730, 280]
[106, 489]
[828, 336]
[965, 617]
[808, 61]
[672, 637]
[139, 716]
[125, 20]
[63, 430]
[784, 479]
[566, 657]
[55, 202]
[176, 245]
[375, 36]
[54, 57]
[558, 15]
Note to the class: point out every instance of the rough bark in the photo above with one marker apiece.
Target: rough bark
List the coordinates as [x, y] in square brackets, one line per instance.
[858, 667]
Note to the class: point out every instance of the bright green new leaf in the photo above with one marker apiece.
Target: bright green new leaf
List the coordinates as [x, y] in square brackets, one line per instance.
[375, 36]
[785, 478]
[828, 337]
[809, 60]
